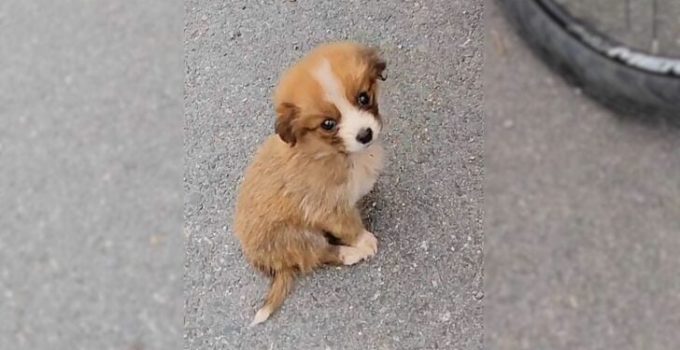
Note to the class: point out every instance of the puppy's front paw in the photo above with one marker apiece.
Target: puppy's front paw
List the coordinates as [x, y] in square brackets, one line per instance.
[351, 255]
[367, 243]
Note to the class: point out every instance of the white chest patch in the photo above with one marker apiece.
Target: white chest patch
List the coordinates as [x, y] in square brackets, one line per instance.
[366, 166]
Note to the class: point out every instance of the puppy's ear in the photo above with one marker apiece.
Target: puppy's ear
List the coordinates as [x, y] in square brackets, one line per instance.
[376, 64]
[286, 113]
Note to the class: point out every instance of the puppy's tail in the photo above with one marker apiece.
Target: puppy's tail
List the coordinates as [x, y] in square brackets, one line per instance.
[282, 283]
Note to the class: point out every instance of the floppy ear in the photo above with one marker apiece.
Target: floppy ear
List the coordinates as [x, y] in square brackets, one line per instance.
[286, 113]
[376, 63]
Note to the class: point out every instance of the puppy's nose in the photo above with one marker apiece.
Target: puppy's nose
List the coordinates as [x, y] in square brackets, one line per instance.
[365, 135]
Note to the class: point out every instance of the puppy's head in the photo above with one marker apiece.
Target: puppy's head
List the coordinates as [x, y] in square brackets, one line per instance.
[329, 98]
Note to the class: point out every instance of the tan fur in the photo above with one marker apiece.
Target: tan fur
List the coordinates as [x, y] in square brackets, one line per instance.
[302, 182]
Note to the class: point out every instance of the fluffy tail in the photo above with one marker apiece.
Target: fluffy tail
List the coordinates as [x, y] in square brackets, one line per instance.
[282, 283]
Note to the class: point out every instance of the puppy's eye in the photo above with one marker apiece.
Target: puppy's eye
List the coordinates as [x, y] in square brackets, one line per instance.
[363, 99]
[328, 124]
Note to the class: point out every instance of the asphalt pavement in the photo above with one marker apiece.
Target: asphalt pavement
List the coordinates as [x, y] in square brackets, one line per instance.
[423, 290]
[582, 213]
[91, 175]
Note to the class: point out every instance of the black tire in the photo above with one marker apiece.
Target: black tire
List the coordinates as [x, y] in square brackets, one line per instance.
[625, 87]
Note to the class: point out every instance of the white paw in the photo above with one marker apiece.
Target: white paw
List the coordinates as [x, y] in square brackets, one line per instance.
[367, 243]
[351, 255]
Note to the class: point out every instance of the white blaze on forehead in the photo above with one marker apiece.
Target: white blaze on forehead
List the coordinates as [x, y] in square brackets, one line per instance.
[332, 87]
[353, 119]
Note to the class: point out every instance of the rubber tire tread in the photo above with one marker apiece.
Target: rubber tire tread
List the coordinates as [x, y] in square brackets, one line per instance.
[621, 87]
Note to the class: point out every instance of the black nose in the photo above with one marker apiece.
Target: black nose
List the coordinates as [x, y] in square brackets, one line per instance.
[365, 135]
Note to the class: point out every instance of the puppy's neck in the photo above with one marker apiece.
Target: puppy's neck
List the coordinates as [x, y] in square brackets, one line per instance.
[317, 151]
[325, 155]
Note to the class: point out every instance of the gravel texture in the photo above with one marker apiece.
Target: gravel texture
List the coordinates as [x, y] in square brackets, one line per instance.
[423, 289]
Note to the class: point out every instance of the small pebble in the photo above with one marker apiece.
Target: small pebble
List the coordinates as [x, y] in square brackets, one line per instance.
[445, 317]
[234, 34]
[155, 240]
[573, 302]
[479, 295]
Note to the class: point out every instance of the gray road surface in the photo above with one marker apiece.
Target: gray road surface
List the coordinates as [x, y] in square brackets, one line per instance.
[423, 289]
[90, 175]
[583, 213]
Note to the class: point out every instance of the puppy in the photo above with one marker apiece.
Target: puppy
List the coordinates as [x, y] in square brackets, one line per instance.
[305, 180]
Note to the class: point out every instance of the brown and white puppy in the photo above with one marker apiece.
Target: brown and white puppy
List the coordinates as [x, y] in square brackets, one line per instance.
[305, 181]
